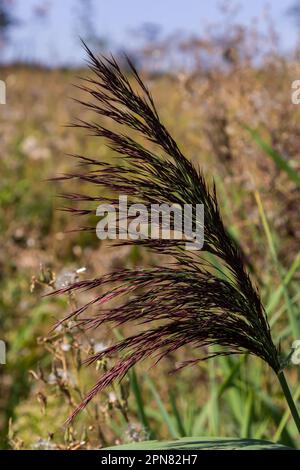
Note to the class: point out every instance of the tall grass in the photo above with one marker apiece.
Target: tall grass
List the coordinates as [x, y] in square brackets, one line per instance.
[216, 306]
[232, 396]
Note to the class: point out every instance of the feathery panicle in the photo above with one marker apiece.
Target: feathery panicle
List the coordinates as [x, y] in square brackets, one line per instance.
[188, 302]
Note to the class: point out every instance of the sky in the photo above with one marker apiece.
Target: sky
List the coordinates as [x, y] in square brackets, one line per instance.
[48, 31]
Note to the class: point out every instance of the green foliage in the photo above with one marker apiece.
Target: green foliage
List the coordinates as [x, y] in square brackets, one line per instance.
[190, 443]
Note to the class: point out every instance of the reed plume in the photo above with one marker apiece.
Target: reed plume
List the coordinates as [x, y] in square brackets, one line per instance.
[189, 302]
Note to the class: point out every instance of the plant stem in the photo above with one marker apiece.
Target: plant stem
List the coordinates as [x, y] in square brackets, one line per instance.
[289, 399]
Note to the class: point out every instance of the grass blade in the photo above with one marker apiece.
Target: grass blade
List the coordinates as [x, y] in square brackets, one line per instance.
[279, 161]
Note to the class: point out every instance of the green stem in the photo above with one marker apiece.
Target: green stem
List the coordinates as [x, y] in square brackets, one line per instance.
[289, 399]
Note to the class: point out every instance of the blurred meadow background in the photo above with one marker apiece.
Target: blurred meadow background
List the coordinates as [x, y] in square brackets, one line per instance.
[221, 77]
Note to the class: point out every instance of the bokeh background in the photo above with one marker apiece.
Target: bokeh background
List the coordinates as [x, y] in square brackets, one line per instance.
[213, 68]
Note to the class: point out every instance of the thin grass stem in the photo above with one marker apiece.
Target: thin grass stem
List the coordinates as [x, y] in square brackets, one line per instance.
[289, 399]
